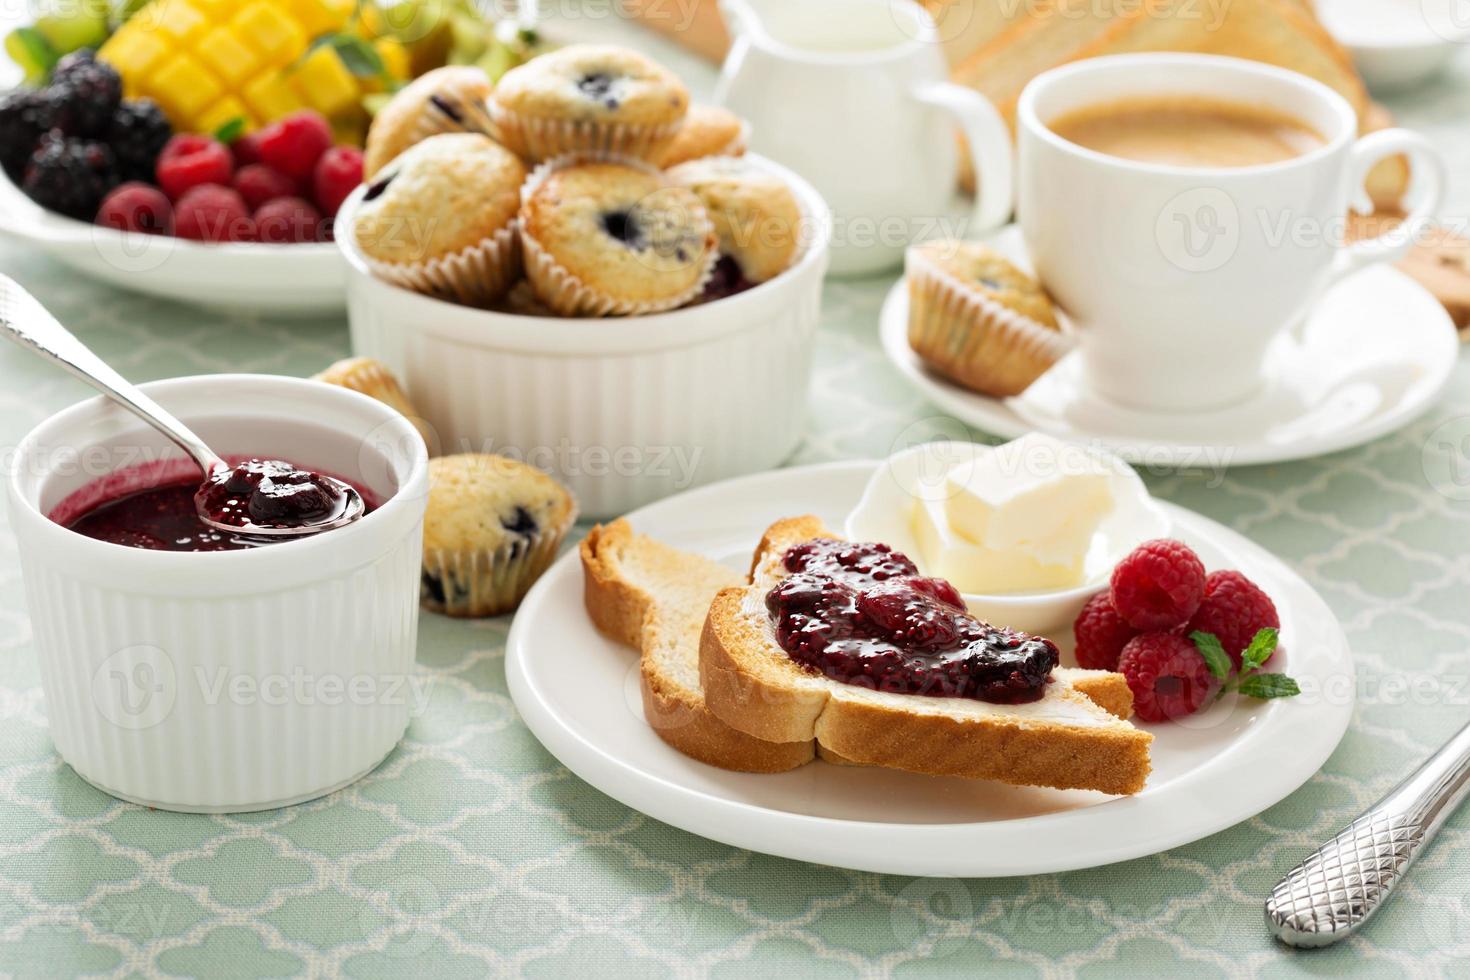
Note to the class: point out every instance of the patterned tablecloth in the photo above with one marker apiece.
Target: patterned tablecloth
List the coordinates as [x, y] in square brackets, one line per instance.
[471, 851]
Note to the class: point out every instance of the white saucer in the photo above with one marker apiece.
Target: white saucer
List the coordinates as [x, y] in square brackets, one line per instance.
[1376, 353]
[294, 280]
[578, 692]
[1397, 45]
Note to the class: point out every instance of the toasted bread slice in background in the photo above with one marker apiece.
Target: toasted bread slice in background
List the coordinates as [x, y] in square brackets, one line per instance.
[654, 599]
[1064, 740]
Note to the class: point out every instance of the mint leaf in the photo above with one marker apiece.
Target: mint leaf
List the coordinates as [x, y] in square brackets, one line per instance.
[1268, 686]
[231, 130]
[360, 57]
[1215, 656]
[1262, 645]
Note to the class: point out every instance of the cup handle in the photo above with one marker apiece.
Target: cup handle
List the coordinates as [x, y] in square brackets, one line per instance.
[1429, 170]
[991, 149]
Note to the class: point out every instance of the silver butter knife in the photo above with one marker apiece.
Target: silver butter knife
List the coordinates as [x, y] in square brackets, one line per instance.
[1335, 890]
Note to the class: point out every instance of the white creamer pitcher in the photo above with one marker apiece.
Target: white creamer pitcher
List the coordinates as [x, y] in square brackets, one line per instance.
[853, 95]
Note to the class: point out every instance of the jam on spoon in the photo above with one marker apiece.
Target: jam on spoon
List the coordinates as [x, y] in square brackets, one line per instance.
[861, 614]
[270, 493]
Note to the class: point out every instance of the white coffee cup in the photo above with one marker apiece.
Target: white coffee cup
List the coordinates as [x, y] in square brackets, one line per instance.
[854, 96]
[1178, 279]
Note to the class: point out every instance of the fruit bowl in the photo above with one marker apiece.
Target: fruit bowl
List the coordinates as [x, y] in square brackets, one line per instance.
[289, 280]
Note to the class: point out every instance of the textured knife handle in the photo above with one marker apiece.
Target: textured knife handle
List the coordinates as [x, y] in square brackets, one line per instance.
[1346, 880]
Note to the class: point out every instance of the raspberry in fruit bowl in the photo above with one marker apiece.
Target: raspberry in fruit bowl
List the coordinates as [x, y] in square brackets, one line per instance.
[1159, 585]
[286, 221]
[337, 174]
[258, 184]
[1234, 609]
[1101, 634]
[1168, 676]
[294, 143]
[190, 160]
[136, 206]
[213, 214]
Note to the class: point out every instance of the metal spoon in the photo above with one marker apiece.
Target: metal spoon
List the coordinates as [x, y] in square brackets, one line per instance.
[26, 322]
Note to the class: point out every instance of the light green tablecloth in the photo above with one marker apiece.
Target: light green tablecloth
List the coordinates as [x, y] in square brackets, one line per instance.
[471, 851]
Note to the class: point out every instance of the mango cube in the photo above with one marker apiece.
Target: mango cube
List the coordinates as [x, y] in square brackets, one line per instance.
[222, 113]
[324, 82]
[270, 97]
[231, 59]
[183, 86]
[270, 32]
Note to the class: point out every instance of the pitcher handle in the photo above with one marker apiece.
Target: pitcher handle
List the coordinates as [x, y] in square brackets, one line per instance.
[991, 149]
[1429, 169]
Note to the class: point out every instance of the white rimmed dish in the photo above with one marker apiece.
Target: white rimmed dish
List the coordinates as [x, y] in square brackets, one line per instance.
[1397, 45]
[578, 692]
[289, 280]
[227, 681]
[622, 410]
[885, 510]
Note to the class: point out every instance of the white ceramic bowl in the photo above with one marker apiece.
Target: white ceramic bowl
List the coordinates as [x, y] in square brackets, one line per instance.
[290, 280]
[1397, 45]
[624, 411]
[236, 680]
[885, 511]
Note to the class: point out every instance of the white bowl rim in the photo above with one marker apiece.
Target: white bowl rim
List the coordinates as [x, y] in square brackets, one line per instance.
[691, 324]
[1023, 600]
[412, 482]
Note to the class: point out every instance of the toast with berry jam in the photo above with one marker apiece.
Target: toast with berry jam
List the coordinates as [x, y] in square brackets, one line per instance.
[846, 646]
[654, 599]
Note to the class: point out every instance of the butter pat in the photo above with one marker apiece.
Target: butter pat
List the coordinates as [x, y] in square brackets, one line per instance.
[1018, 519]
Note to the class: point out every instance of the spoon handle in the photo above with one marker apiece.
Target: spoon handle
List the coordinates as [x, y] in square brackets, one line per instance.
[26, 322]
[1335, 890]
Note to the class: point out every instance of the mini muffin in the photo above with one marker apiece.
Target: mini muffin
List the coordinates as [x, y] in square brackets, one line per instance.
[588, 99]
[441, 219]
[754, 212]
[444, 100]
[613, 239]
[370, 377]
[978, 320]
[707, 131]
[491, 528]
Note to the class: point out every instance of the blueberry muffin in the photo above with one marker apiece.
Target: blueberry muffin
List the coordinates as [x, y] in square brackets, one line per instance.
[754, 213]
[491, 528]
[978, 320]
[371, 377]
[441, 218]
[707, 131]
[588, 99]
[444, 100]
[608, 238]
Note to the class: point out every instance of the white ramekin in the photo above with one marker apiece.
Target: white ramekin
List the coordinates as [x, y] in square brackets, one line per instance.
[233, 680]
[624, 411]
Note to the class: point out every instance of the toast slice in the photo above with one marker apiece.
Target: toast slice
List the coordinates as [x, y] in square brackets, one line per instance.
[1064, 740]
[654, 599]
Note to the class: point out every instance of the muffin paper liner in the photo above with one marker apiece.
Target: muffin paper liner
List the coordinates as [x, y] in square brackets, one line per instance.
[565, 293]
[478, 582]
[538, 139]
[973, 340]
[476, 276]
[368, 376]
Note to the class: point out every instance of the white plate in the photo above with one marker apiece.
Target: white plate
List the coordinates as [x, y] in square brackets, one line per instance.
[1375, 354]
[1397, 45]
[578, 692]
[295, 280]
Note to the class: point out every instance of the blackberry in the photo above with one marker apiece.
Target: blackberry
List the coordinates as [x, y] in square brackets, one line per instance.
[138, 132]
[87, 93]
[70, 176]
[24, 116]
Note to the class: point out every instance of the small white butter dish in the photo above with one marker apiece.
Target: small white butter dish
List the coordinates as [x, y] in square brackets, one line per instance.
[885, 514]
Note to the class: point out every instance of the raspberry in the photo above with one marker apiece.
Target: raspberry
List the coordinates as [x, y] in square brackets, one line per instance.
[246, 149]
[1101, 634]
[136, 206]
[189, 160]
[258, 184]
[337, 173]
[286, 220]
[1235, 610]
[1167, 675]
[1159, 585]
[294, 143]
[211, 213]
